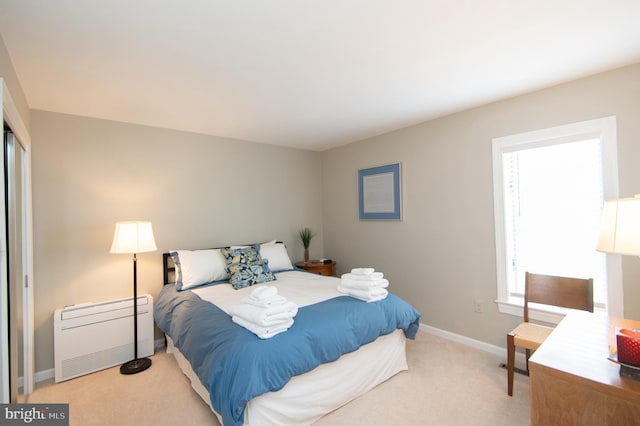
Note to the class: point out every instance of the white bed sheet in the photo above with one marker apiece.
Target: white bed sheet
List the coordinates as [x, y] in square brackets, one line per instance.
[301, 288]
[329, 386]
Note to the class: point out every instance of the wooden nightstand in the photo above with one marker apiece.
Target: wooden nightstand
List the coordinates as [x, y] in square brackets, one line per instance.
[318, 267]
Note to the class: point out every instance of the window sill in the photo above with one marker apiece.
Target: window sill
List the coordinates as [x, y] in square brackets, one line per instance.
[544, 313]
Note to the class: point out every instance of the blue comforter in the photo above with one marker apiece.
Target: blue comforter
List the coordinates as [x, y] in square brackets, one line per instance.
[236, 366]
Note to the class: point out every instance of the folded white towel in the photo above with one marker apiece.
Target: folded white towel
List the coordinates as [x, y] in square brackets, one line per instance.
[263, 292]
[263, 332]
[265, 317]
[270, 301]
[364, 285]
[374, 276]
[371, 295]
[362, 271]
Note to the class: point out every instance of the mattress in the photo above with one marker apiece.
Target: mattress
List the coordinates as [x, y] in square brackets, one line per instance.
[282, 380]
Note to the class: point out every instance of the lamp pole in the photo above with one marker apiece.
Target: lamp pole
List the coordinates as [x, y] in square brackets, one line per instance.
[135, 307]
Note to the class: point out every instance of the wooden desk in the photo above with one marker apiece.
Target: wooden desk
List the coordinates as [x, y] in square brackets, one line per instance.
[572, 381]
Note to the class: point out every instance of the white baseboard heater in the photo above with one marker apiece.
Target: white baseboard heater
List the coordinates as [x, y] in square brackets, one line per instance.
[94, 336]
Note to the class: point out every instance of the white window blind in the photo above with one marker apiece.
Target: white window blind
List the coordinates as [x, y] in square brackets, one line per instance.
[554, 197]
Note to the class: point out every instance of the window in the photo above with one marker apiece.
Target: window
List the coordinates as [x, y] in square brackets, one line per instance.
[549, 188]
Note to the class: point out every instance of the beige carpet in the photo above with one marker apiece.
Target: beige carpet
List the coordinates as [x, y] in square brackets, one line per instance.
[447, 384]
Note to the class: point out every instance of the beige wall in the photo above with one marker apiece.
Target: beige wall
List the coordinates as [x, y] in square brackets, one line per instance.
[198, 191]
[7, 73]
[441, 257]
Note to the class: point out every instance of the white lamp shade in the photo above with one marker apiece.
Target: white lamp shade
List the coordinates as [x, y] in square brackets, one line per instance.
[620, 227]
[133, 237]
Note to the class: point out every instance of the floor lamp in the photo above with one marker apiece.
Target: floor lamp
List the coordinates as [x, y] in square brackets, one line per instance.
[132, 238]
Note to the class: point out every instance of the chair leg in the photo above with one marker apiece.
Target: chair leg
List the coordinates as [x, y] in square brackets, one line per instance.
[511, 359]
[528, 356]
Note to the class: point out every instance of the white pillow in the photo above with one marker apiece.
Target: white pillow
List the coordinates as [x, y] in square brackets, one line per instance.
[277, 256]
[199, 267]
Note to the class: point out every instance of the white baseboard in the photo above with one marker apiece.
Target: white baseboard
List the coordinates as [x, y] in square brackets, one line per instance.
[483, 346]
[158, 344]
[41, 376]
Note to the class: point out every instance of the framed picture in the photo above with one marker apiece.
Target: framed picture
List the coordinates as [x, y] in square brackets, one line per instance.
[379, 193]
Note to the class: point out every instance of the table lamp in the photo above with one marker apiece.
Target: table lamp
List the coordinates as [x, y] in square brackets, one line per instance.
[620, 227]
[620, 234]
[132, 238]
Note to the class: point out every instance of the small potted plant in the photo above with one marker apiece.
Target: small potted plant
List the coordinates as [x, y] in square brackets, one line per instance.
[305, 236]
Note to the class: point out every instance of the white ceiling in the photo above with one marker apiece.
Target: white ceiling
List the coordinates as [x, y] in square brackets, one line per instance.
[310, 74]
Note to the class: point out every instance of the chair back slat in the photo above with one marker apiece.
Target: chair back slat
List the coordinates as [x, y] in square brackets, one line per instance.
[573, 293]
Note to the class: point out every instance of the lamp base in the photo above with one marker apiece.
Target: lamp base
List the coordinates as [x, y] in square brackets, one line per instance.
[135, 366]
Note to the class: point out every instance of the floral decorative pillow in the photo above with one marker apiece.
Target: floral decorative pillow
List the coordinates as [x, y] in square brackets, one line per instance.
[246, 267]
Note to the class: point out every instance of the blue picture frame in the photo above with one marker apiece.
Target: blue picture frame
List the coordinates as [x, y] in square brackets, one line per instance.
[379, 196]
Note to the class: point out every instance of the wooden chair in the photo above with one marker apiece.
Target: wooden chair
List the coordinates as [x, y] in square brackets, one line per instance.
[573, 293]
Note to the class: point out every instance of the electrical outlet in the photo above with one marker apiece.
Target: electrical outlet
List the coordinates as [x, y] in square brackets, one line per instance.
[479, 306]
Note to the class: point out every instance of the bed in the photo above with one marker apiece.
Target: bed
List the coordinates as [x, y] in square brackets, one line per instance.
[337, 349]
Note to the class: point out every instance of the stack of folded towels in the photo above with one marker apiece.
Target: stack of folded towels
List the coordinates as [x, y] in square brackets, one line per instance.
[264, 312]
[364, 284]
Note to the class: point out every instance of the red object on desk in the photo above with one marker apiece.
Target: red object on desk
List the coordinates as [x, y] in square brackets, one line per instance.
[628, 346]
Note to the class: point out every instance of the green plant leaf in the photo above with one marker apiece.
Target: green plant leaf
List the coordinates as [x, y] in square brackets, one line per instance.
[305, 236]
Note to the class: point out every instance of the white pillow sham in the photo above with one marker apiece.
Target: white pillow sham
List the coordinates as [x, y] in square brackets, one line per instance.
[276, 254]
[197, 267]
